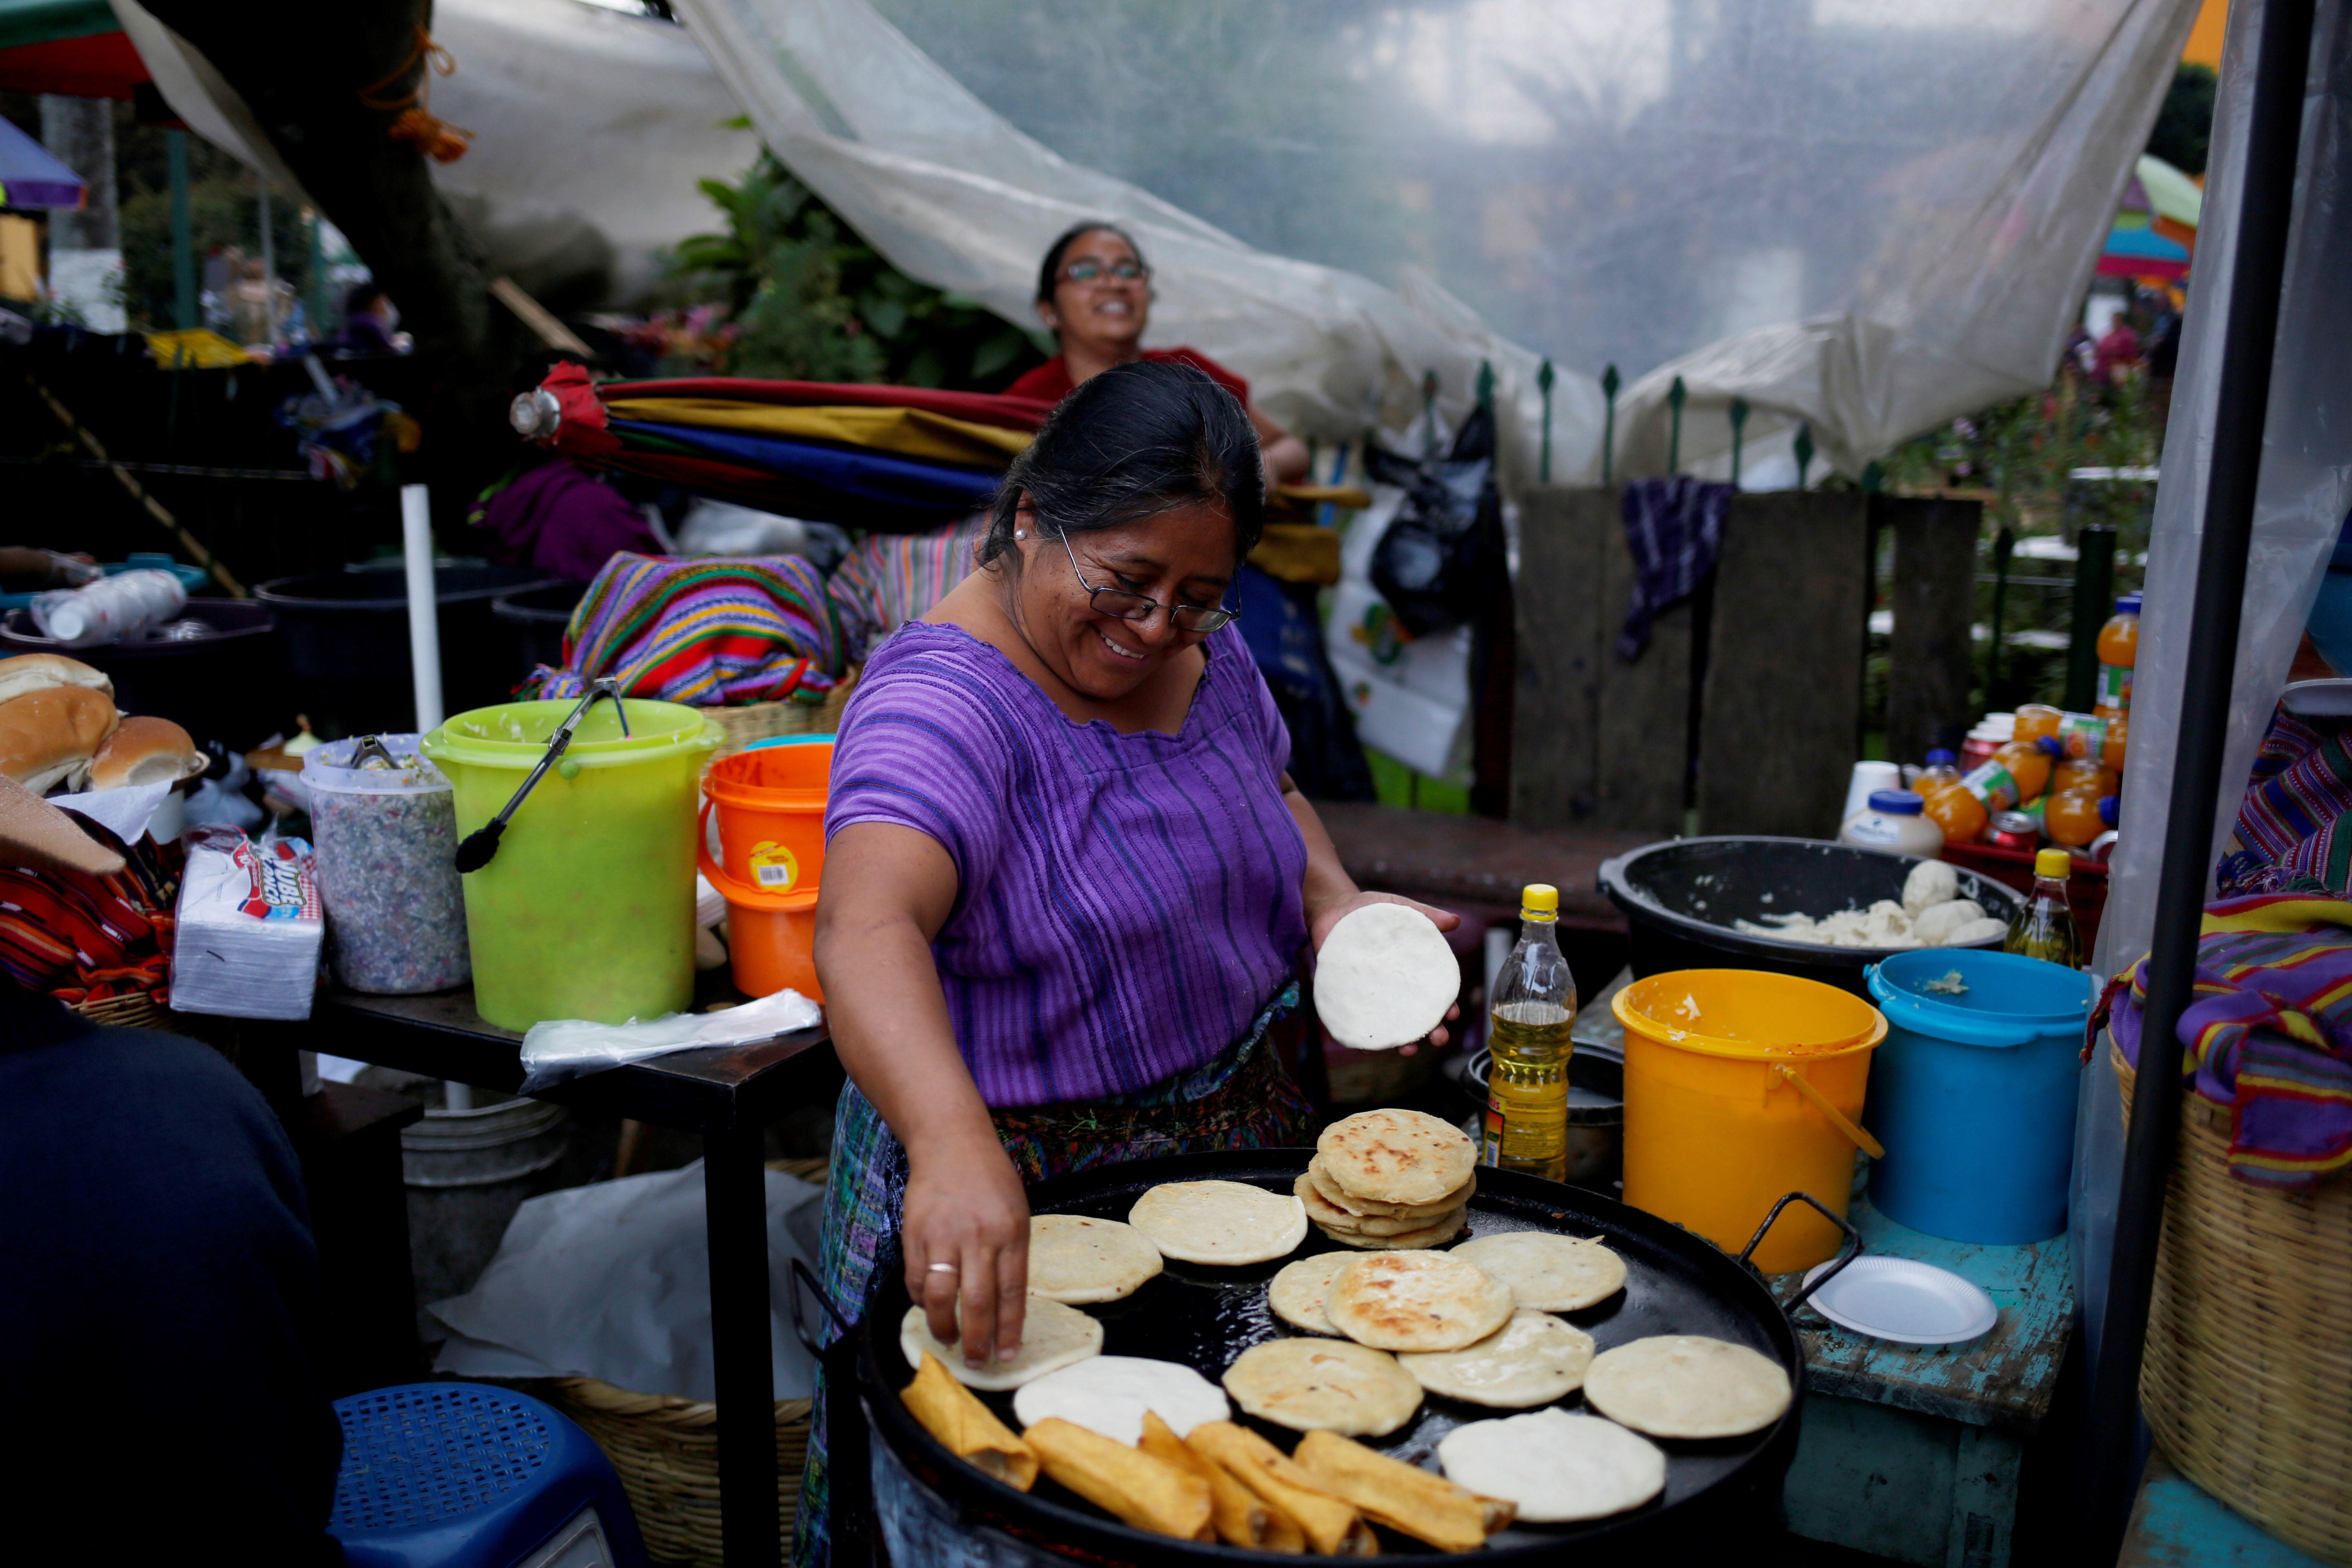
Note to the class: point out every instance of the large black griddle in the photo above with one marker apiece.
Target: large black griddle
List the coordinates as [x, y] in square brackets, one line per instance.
[1718, 1493]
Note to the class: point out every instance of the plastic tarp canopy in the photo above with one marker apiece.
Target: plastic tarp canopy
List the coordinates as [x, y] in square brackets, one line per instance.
[2304, 488]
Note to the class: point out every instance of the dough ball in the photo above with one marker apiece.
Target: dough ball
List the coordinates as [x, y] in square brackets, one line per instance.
[1931, 882]
[1936, 923]
[1975, 931]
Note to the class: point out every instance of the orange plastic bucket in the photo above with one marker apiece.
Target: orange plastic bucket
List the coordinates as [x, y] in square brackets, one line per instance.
[1740, 1086]
[770, 807]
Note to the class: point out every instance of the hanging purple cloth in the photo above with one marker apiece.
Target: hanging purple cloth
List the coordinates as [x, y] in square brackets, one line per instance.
[564, 520]
[1673, 528]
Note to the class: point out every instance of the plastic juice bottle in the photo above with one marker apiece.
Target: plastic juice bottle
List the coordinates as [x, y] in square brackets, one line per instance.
[2036, 719]
[2073, 818]
[1527, 1022]
[1963, 809]
[1943, 768]
[2045, 928]
[2111, 749]
[2082, 734]
[2029, 764]
[2118, 651]
[2077, 773]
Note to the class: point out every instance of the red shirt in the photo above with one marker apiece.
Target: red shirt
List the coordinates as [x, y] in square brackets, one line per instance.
[1051, 381]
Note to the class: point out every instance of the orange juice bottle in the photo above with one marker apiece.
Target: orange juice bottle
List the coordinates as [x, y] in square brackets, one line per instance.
[1962, 810]
[2118, 651]
[2036, 719]
[2073, 818]
[2111, 751]
[2082, 734]
[1942, 769]
[2078, 774]
[2029, 764]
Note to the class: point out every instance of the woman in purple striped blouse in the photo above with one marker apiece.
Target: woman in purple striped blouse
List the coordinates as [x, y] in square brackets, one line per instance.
[1067, 883]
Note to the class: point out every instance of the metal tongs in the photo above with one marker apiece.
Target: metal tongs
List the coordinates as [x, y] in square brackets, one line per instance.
[479, 846]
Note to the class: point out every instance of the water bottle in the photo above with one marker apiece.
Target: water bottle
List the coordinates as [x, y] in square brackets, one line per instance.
[109, 609]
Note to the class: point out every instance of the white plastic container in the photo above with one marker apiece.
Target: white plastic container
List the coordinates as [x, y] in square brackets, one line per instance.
[1893, 820]
[109, 609]
[1867, 778]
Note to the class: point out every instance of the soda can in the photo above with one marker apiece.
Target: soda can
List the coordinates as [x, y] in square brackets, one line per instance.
[2015, 830]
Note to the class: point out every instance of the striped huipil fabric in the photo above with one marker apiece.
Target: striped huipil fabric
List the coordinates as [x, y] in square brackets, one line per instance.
[710, 632]
[889, 579]
[2292, 835]
[1125, 904]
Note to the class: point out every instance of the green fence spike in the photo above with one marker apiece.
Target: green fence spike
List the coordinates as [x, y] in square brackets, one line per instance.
[1676, 395]
[1872, 477]
[1544, 379]
[1610, 383]
[1738, 434]
[1804, 450]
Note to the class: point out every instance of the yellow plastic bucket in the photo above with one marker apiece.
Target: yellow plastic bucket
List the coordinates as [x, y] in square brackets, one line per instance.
[1742, 1085]
[587, 908]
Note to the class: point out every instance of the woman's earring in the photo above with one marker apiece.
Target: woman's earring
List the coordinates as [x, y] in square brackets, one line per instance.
[1019, 533]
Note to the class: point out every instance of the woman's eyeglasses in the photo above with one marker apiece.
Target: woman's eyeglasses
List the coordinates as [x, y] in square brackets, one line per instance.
[1121, 606]
[1088, 270]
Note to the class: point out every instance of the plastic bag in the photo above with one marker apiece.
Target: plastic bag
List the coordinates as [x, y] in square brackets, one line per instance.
[1430, 562]
[567, 1048]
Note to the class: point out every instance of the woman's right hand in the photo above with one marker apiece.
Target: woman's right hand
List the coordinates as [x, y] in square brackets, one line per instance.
[965, 1208]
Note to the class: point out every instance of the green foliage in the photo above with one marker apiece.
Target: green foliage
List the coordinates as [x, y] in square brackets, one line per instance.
[813, 301]
[2184, 126]
[224, 213]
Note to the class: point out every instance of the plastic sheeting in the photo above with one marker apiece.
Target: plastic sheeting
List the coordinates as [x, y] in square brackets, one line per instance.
[2305, 487]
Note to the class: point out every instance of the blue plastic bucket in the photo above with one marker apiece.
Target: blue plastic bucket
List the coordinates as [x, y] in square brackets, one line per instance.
[1973, 1094]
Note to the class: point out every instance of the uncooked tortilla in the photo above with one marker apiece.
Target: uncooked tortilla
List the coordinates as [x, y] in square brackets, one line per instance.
[1549, 1273]
[1228, 1223]
[1384, 978]
[1686, 1385]
[1532, 1360]
[1051, 1337]
[1324, 1385]
[1556, 1467]
[1077, 1258]
[1109, 1393]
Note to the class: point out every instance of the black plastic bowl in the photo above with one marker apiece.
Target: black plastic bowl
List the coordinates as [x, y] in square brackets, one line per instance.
[535, 618]
[1680, 898]
[226, 686]
[347, 641]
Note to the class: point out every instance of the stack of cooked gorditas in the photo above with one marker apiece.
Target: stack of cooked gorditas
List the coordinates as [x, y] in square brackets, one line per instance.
[1390, 1179]
[58, 726]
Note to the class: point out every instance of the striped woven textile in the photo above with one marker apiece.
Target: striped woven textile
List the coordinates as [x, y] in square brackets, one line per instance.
[714, 633]
[80, 938]
[2268, 1031]
[2292, 833]
[889, 579]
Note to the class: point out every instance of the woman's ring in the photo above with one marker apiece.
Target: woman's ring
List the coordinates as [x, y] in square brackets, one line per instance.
[944, 1269]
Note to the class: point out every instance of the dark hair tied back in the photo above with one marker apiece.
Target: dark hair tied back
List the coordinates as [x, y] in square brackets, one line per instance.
[1131, 443]
[1049, 273]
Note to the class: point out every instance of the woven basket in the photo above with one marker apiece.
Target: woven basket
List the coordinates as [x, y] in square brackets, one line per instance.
[666, 1450]
[132, 1010]
[766, 720]
[2247, 1379]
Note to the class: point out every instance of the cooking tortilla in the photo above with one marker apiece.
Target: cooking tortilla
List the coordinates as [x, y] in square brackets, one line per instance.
[1297, 1293]
[1440, 1231]
[1127, 1483]
[1330, 1385]
[1405, 1498]
[1416, 1302]
[1397, 1156]
[1549, 1273]
[1051, 1337]
[1384, 977]
[1340, 1198]
[1556, 1466]
[970, 1430]
[1228, 1223]
[1686, 1385]
[1075, 1259]
[1532, 1360]
[1323, 1212]
[1109, 1393]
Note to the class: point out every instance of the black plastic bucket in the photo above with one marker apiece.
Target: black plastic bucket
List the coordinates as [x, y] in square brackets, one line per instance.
[1680, 896]
[226, 685]
[346, 637]
[535, 619]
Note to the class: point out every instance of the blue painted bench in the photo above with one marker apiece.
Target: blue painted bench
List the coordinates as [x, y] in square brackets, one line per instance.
[2175, 1525]
[1914, 1453]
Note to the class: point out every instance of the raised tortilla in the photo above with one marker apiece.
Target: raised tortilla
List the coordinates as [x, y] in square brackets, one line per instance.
[1549, 1273]
[1416, 1302]
[1322, 1211]
[1219, 1222]
[1051, 1337]
[1297, 1293]
[1340, 1198]
[1075, 1259]
[1109, 1393]
[1397, 1156]
[1556, 1467]
[1440, 1231]
[1324, 1385]
[1384, 977]
[1686, 1385]
[1532, 1360]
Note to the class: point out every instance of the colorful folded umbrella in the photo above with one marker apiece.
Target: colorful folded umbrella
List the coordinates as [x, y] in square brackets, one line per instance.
[903, 432]
[980, 407]
[854, 474]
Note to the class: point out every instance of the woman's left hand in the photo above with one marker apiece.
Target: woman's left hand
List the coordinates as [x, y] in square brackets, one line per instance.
[1320, 919]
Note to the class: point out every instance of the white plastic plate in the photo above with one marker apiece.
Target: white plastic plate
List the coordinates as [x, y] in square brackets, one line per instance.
[1909, 1302]
[2319, 699]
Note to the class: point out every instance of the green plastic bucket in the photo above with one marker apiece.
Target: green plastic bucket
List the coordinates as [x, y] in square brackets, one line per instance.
[587, 910]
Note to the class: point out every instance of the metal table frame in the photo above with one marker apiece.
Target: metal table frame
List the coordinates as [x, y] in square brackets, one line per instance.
[729, 1095]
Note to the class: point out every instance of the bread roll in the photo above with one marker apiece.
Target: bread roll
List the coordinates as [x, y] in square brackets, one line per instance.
[33, 672]
[52, 735]
[144, 751]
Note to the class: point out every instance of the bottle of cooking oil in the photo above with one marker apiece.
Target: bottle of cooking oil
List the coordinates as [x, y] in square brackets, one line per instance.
[2044, 928]
[1528, 1015]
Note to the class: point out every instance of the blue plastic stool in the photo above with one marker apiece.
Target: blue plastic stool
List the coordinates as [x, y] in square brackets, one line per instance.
[460, 1475]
